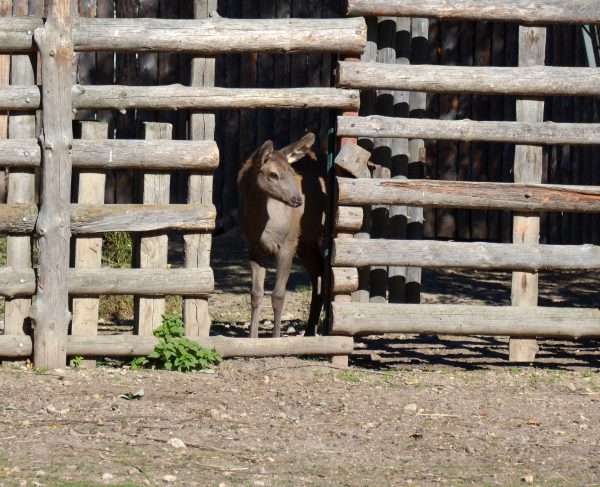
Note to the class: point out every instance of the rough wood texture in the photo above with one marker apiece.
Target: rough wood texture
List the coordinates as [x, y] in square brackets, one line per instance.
[153, 250]
[16, 282]
[527, 169]
[217, 36]
[524, 81]
[523, 11]
[352, 159]
[449, 319]
[174, 97]
[20, 152]
[15, 97]
[50, 314]
[348, 219]
[146, 154]
[531, 133]
[466, 194]
[466, 255]
[15, 346]
[90, 219]
[16, 218]
[16, 33]
[146, 282]
[88, 251]
[345, 280]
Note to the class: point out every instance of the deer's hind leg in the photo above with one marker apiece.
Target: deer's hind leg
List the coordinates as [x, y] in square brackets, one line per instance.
[311, 258]
[257, 266]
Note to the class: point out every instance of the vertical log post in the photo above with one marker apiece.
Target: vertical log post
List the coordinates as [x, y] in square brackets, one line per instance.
[153, 249]
[21, 187]
[88, 251]
[197, 246]
[50, 315]
[527, 169]
[5, 10]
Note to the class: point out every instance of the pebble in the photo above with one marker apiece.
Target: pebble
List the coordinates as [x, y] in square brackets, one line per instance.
[176, 443]
[169, 478]
[412, 407]
[528, 479]
[291, 330]
[107, 476]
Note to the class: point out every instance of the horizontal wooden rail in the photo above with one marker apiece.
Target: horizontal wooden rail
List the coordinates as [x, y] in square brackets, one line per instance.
[344, 279]
[15, 97]
[522, 11]
[90, 219]
[16, 218]
[462, 194]
[16, 282]
[145, 282]
[134, 346]
[452, 319]
[216, 36]
[173, 97]
[491, 80]
[16, 33]
[527, 133]
[20, 153]
[349, 252]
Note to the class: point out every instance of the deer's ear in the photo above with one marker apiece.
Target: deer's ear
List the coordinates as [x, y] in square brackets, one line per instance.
[299, 149]
[262, 154]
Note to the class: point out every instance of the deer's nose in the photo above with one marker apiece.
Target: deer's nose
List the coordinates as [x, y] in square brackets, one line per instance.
[296, 201]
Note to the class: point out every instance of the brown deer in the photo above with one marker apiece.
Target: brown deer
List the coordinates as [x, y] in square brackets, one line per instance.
[282, 214]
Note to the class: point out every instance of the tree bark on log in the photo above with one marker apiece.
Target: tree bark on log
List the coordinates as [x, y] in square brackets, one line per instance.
[16, 33]
[16, 281]
[20, 152]
[19, 97]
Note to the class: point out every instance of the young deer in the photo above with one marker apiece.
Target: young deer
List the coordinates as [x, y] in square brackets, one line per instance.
[282, 213]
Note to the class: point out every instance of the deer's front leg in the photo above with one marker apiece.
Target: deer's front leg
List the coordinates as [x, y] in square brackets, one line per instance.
[257, 293]
[284, 266]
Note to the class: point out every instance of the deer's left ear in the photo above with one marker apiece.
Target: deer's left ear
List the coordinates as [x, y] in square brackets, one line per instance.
[299, 149]
[262, 154]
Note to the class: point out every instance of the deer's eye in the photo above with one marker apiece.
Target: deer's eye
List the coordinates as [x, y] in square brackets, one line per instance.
[273, 176]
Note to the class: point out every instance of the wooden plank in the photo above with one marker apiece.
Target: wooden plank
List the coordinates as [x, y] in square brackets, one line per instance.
[85, 61]
[452, 319]
[344, 280]
[153, 250]
[527, 169]
[489, 80]
[50, 314]
[17, 218]
[16, 33]
[5, 10]
[348, 219]
[464, 255]
[88, 251]
[15, 346]
[523, 11]
[20, 152]
[352, 159]
[530, 133]
[19, 97]
[16, 281]
[216, 36]
[465, 194]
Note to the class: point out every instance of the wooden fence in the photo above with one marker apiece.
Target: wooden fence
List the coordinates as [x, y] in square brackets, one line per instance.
[56, 40]
[526, 195]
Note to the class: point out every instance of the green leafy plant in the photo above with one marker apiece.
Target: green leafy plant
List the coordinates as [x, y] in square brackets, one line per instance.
[175, 351]
[77, 361]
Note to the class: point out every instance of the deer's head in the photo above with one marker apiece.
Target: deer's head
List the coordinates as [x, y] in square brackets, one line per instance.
[275, 175]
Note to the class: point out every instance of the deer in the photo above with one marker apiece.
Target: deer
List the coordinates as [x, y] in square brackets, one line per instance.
[282, 212]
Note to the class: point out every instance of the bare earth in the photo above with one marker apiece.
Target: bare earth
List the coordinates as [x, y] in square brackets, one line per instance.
[410, 409]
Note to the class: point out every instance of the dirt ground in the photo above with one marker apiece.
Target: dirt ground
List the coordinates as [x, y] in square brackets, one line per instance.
[409, 410]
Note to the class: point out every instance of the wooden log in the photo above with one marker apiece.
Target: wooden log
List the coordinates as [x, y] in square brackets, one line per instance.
[90, 219]
[463, 194]
[15, 346]
[452, 319]
[174, 97]
[488, 80]
[16, 33]
[352, 159]
[217, 36]
[20, 153]
[18, 218]
[523, 11]
[530, 133]
[15, 97]
[16, 281]
[465, 255]
[88, 251]
[348, 219]
[344, 280]
[146, 282]
[50, 314]
[527, 169]
[146, 154]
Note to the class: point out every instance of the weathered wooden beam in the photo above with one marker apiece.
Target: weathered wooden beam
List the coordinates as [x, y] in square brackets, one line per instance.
[90, 219]
[465, 255]
[489, 80]
[452, 319]
[352, 159]
[344, 280]
[530, 133]
[172, 97]
[15, 346]
[348, 219]
[15, 97]
[466, 194]
[16, 281]
[200, 155]
[18, 218]
[16, 33]
[20, 153]
[147, 282]
[216, 36]
[522, 11]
